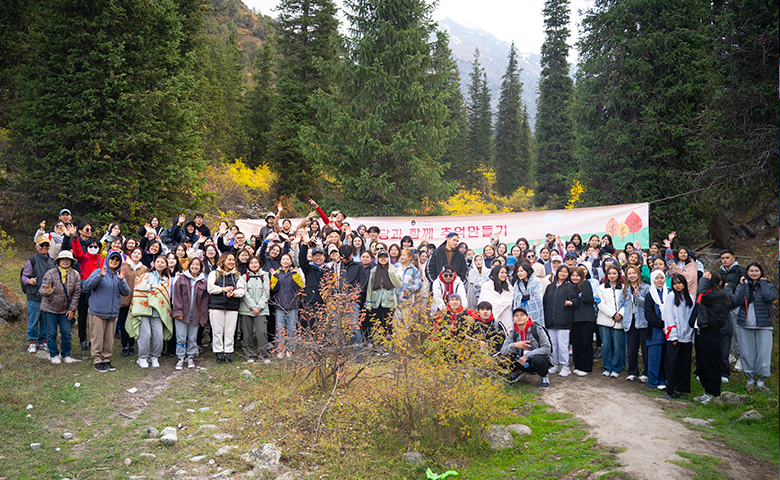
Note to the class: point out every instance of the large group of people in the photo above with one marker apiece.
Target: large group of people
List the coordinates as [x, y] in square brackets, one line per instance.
[179, 289]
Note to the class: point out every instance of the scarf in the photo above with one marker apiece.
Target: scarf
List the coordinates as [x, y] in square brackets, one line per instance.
[488, 321]
[449, 288]
[382, 278]
[454, 315]
[64, 274]
[523, 332]
[658, 294]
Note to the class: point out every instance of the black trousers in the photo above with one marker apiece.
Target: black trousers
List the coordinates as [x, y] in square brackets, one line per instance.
[381, 317]
[708, 359]
[582, 345]
[537, 365]
[636, 338]
[598, 338]
[83, 313]
[725, 349]
[127, 340]
[678, 367]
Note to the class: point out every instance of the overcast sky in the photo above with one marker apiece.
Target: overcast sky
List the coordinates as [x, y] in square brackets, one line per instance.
[520, 21]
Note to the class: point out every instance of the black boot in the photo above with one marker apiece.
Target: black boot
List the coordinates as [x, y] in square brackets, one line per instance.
[220, 358]
[228, 359]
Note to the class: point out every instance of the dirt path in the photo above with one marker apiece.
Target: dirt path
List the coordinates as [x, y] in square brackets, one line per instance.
[620, 415]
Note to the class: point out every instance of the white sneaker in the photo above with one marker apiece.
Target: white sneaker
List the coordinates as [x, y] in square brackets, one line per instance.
[631, 378]
[565, 372]
[68, 360]
[179, 364]
[190, 362]
[142, 362]
[56, 360]
[554, 369]
[155, 363]
[707, 399]
[643, 378]
[32, 348]
[580, 373]
[280, 355]
[605, 374]
[289, 354]
[760, 383]
[661, 387]
[615, 375]
[266, 361]
[700, 398]
[738, 365]
[251, 360]
[724, 379]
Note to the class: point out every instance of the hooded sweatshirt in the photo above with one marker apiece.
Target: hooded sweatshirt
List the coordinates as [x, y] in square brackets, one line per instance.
[107, 289]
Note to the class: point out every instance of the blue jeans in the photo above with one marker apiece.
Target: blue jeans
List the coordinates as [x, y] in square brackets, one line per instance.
[613, 351]
[287, 319]
[54, 320]
[36, 327]
[353, 314]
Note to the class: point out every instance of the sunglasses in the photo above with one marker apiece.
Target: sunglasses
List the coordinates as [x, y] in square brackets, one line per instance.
[447, 275]
[86, 229]
[43, 245]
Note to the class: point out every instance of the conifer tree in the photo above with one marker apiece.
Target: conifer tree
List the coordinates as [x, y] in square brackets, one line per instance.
[257, 116]
[457, 147]
[480, 123]
[109, 124]
[641, 85]
[555, 164]
[382, 132]
[512, 161]
[306, 30]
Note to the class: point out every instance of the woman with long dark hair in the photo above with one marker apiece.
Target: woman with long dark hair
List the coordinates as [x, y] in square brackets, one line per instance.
[498, 292]
[583, 322]
[558, 307]
[678, 311]
[711, 316]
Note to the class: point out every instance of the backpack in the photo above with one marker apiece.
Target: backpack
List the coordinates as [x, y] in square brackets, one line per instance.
[32, 263]
[535, 332]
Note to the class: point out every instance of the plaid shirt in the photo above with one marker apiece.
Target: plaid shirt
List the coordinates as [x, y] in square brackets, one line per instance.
[412, 281]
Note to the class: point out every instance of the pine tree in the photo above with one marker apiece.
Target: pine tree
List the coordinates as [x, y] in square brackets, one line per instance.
[456, 152]
[108, 124]
[382, 127]
[257, 116]
[219, 93]
[305, 37]
[555, 164]
[640, 85]
[513, 152]
[480, 123]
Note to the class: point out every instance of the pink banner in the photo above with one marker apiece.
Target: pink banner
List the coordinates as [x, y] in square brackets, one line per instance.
[626, 223]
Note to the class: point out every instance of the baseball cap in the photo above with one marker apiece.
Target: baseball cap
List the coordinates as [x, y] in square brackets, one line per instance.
[43, 239]
[65, 210]
[555, 258]
[318, 250]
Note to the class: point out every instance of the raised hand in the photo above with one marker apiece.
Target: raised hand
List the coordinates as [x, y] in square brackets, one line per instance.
[121, 274]
[148, 228]
[672, 235]
[182, 218]
[49, 289]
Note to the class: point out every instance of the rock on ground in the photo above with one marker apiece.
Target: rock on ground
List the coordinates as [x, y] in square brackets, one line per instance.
[67, 435]
[128, 462]
[498, 437]
[223, 474]
[731, 398]
[221, 437]
[750, 415]
[169, 431]
[698, 422]
[152, 432]
[147, 455]
[247, 374]
[207, 427]
[223, 450]
[12, 308]
[413, 458]
[169, 439]
[519, 429]
[264, 457]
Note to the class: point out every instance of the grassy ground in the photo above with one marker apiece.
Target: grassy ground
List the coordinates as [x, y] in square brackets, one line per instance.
[109, 424]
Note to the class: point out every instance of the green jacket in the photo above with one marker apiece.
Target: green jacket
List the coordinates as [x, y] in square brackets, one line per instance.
[383, 297]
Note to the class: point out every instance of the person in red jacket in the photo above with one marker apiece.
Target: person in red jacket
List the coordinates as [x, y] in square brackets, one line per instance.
[89, 261]
[339, 217]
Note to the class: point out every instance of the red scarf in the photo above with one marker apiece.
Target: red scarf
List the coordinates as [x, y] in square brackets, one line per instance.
[524, 332]
[454, 315]
[486, 322]
[449, 288]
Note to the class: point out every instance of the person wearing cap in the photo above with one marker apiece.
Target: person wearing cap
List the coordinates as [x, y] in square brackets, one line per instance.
[66, 217]
[511, 265]
[527, 348]
[448, 254]
[445, 285]
[107, 286]
[313, 272]
[571, 259]
[32, 275]
[552, 265]
[60, 290]
[455, 317]
[271, 225]
[381, 299]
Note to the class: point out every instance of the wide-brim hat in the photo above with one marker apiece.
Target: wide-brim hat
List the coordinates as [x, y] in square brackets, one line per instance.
[64, 254]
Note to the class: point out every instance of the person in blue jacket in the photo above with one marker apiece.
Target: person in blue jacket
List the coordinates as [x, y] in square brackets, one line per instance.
[107, 285]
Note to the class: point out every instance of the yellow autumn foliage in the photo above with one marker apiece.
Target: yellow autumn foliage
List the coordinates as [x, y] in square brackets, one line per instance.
[575, 194]
[234, 183]
[471, 203]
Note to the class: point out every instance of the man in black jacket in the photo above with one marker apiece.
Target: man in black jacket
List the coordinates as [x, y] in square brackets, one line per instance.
[313, 272]
[447, 254]
[731, 272]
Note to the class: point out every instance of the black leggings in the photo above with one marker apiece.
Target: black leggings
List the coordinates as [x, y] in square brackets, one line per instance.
[636, 338]
[127, 340]
[83, 312]
[678, 367]
[707, 342]
[582, 345]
